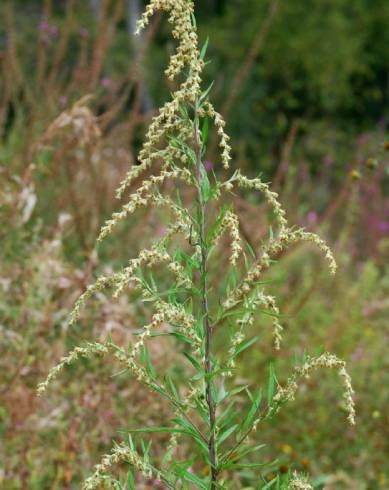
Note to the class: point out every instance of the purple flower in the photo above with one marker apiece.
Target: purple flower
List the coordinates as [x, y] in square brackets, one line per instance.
[161, 230]
[358, 354]
[106, 82]
[383, 227]
[63, 100]
[363, 139]
[312, 218]
[84, 33]
[370, 189]
[47, 30]
[108, 414]
[328, 161]
[53, 31]
[208, 165]
[43, 25]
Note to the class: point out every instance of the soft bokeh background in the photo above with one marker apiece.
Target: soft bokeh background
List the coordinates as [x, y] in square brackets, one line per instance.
[305, 89]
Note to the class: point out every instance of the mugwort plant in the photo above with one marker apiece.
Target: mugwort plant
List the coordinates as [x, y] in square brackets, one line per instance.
[207, 406]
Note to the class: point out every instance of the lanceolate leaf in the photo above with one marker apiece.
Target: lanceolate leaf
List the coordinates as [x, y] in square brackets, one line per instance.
[245, 345]
[204, 49]
[169, 430]
[253, 412]
[205, 130]
[271, 384]
[192, 478]
[130, 481]
[226, 434]
[205, 184]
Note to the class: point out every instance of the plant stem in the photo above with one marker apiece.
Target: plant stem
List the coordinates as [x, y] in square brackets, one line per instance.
[205, 309]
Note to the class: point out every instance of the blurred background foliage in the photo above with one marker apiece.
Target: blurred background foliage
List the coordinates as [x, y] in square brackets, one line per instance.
[305, 90]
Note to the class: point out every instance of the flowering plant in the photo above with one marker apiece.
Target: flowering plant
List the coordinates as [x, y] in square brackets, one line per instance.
[190, 311]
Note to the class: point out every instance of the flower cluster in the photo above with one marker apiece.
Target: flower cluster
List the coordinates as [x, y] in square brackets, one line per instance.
[169, 121]
[298, 482]
[230, 223]
[150, 258]
[271, 197]
[174, 315]
[270, 251]
[143, 197]
[209, 110]
[119, 454]
[326, 360]
[251, 305]
[123, 279]
[99, 349]
[89, 350]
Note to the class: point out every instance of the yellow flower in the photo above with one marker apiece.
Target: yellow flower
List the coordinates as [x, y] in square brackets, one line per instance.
[305, 462]
[371, 163]
[286, 449]
[355, 175]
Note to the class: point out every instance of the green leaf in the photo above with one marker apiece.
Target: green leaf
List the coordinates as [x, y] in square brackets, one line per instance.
[199, 376]
[321, 480]
[172, 389]
[239, 454]
[145, 356]
[205, 94]
[214, 227]
[271, 484]
[169, 430]
[228, 415]
[248, 465]
[190, 477]
[271, 384]
[255, 404]
[237, 390]
[251, 251]
[304, 358]
[194, 362]
[224, 435]
[205, 185]
[222, 393]
[204, 49]
[245, 345]
[184, 112]
[130, 480]
[179, 336]
[192, 432]
[295, 360]
[202, 410]
[205, 131]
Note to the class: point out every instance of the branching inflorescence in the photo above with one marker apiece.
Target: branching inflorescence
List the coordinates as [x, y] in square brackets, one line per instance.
[174, 149]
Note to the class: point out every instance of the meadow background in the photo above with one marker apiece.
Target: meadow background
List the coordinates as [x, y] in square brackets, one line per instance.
[304, 87]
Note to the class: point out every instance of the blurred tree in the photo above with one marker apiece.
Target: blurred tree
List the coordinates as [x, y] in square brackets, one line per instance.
[134, 10]
[322, 62]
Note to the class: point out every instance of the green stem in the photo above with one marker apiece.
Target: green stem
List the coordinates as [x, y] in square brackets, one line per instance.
[205, 309]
